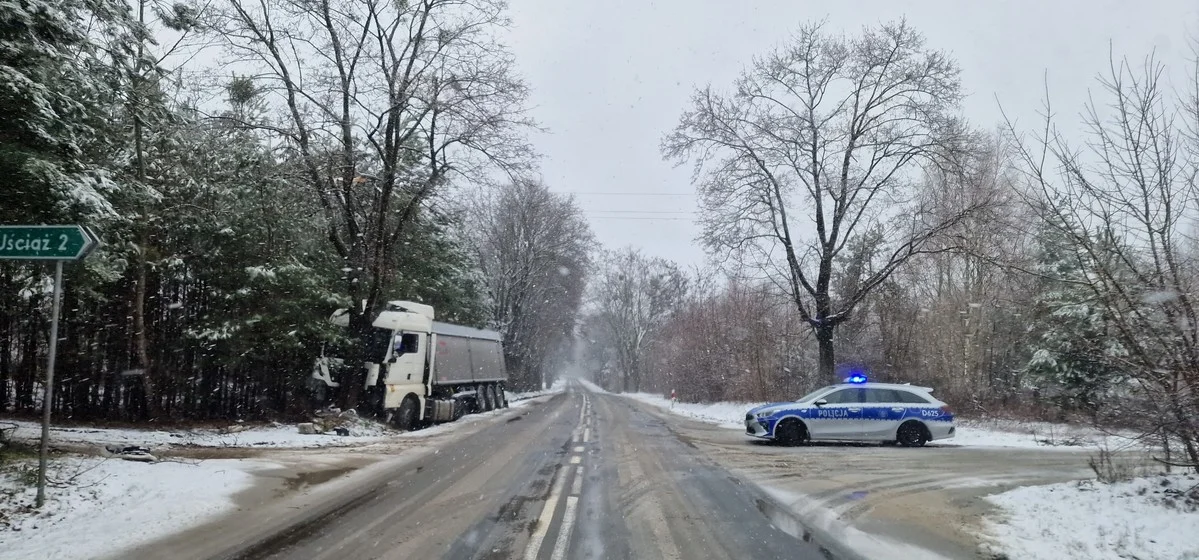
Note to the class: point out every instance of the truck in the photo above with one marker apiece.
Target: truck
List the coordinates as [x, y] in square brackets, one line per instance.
[420, 371]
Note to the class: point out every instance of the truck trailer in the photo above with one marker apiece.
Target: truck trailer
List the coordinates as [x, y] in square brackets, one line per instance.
[420, 371]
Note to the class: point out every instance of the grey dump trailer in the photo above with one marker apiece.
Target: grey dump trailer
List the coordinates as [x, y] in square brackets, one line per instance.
[425, 371]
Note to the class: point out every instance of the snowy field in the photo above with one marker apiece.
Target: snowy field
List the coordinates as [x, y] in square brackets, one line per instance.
[112, 504]
[269, 436]
[970, 433]
[1153, 518]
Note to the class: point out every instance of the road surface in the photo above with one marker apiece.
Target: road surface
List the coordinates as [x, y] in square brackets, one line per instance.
[583, 475]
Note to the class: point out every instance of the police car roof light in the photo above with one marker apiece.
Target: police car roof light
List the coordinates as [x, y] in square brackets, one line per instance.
[856, 378]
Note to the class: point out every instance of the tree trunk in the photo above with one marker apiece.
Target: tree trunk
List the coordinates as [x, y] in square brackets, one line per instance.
[355, 381]
[141, 341]
[827, 363]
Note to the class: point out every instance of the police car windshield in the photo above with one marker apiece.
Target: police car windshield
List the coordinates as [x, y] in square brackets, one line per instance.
[812, 396]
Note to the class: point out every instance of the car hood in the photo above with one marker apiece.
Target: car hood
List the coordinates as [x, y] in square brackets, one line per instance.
[770, 408]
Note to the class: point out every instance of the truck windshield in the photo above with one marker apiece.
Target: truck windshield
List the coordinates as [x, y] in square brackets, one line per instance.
[378, 345]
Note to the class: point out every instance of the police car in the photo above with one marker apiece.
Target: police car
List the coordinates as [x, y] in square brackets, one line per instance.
[856, 410]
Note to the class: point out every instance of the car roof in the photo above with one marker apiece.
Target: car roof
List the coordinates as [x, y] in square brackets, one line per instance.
[873, 385]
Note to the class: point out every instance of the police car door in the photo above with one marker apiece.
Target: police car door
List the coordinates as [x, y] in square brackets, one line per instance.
[881, 414]
[840, 417]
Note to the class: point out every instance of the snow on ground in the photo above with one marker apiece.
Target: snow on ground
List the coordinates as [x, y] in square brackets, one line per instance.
[970, 432]
[113, 504]
[724, 414]
[558, 386]
[590, 386]
[1153, 518]
[998, 432]
[275, 435]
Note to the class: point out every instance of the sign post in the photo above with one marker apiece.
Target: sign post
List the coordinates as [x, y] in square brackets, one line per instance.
[56, 243]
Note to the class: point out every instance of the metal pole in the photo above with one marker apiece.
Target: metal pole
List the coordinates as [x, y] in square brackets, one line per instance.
[47, 399]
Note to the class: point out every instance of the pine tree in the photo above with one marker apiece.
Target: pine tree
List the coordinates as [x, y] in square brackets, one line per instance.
[1073, 352]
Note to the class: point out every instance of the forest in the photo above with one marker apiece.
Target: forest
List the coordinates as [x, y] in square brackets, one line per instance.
[342, 155]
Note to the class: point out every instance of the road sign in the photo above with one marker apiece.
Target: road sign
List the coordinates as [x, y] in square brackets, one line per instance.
[61, 243]
[47, 243]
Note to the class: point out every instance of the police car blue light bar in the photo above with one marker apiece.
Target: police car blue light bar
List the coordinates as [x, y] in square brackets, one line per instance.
[856, 378]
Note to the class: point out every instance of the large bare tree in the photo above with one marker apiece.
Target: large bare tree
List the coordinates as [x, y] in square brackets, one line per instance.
[380, 103]
[817, 152]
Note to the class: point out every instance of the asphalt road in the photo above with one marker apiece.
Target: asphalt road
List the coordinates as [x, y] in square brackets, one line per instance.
[582, 475]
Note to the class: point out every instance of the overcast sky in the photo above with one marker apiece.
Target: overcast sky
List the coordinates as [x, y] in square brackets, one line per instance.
[609, 78]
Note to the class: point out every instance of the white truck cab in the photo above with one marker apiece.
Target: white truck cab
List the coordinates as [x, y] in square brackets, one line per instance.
[423, 371]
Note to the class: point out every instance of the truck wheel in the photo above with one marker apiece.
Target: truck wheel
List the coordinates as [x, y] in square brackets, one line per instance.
[484, 398]
[407, 415]
[493, 401]
[912, 434]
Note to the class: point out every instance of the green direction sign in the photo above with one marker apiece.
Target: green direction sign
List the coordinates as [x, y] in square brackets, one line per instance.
[62, 243]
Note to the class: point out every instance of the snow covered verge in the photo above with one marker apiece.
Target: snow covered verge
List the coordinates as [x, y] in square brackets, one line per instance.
[102, 506]
[590, 386]
[1152, 518]
[1001, 432]
[970, 432]
[269, 436]
[558, 386]
[724, 414]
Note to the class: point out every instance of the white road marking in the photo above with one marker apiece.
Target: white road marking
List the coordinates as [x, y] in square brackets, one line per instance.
[575, 459]
[547, 515]
[586, 434]
[576, 487]
[579, 448]
[568, 522]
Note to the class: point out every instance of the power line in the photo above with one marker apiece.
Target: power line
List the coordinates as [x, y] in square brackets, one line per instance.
[648, 218]
[640, 211]
[595, 193]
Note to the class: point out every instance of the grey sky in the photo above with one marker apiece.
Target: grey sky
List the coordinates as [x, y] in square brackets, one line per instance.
[609, 78]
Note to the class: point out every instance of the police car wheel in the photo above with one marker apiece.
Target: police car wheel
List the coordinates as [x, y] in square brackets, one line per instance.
[790, 432]
[911, 434]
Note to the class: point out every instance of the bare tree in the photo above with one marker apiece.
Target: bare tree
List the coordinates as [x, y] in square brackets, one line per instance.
[381, 104]
[1126, 204]
[820, 146]
[634, 296]
[534, 248]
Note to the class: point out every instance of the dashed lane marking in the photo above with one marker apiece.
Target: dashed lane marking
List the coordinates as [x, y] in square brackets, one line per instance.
[547, 515]
[568, 522]
[575, 459]
[576, 486]
[586, 435]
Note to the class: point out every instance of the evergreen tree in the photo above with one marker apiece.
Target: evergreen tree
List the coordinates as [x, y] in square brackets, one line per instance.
[1073, 352]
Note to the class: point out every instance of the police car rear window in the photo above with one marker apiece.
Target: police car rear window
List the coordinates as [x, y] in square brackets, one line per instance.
[910, 398]
[844, 396]
[882, 396]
